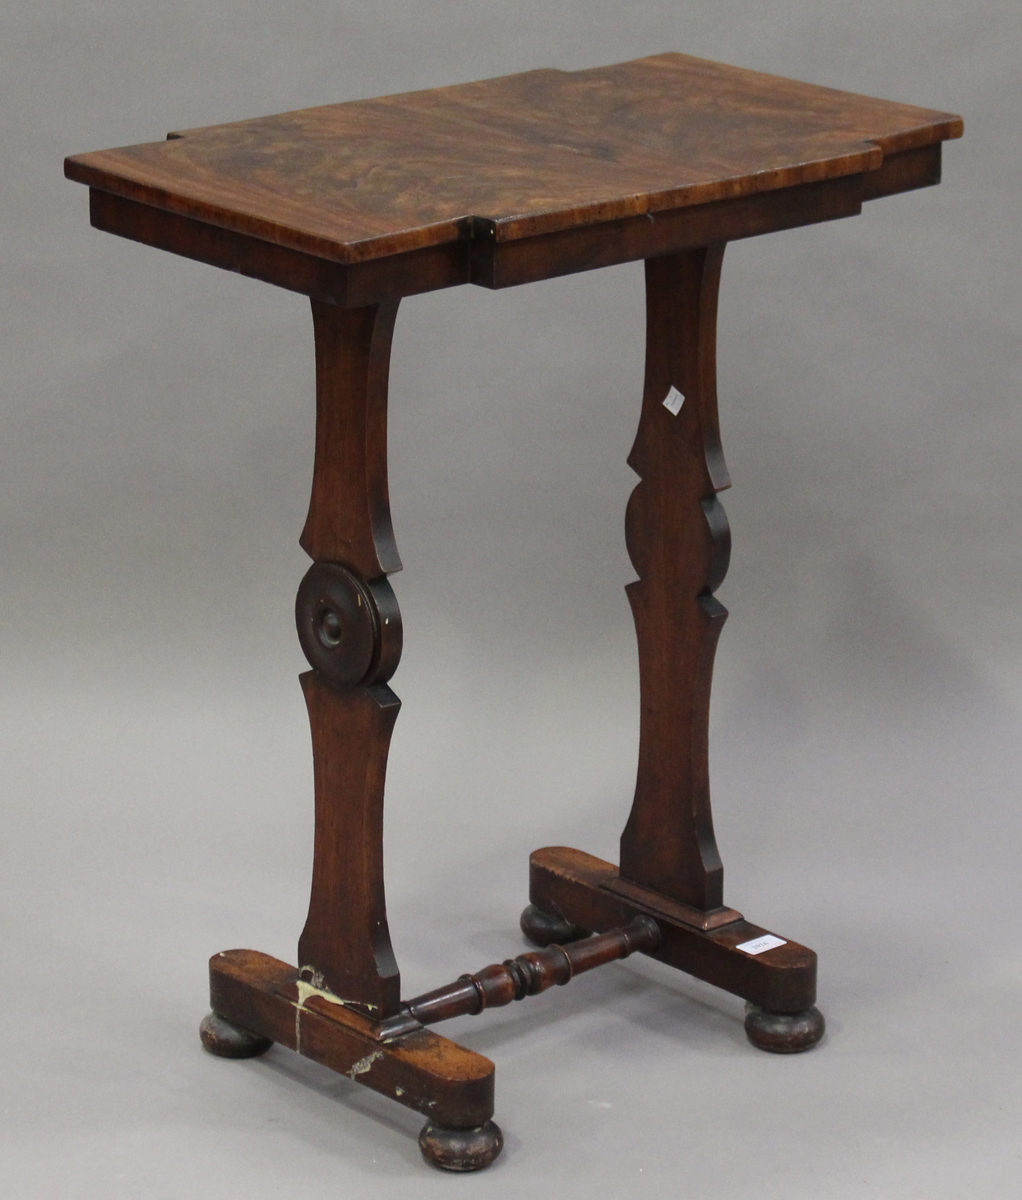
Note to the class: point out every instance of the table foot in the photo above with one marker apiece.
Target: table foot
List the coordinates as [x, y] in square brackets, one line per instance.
[547, 929]
[461, 1149]
[784, 1033]
[718, 946]
[227, 1040]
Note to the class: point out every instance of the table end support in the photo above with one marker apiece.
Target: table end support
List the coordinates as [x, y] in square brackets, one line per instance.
[779, 983]
[679, 542]
[258, 1000]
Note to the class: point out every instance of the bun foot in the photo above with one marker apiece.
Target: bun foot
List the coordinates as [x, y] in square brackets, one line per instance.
[460, 1149]
[225, 1040]
[784, 1033]
[545, 929]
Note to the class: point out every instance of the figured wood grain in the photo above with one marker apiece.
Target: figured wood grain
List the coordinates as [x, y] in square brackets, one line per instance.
[679, 543]
[500, 183]
[526, 154]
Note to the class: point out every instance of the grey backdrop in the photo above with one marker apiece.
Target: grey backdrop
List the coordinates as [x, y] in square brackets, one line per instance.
[155, 458]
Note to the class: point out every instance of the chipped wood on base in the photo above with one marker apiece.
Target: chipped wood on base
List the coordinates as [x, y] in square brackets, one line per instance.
[450, 1085]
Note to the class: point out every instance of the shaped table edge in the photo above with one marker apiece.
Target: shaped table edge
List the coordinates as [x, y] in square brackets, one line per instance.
[477, 255]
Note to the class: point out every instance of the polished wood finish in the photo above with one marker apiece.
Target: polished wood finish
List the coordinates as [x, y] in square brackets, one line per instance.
[581, 888]
[512, 179]
[501, 183]
[527, 975]
[345, 946]
[585, 247]
[684, 914]
[351, 286]
[480, 259]
[531, 154]
[679, 543]
[349, 511]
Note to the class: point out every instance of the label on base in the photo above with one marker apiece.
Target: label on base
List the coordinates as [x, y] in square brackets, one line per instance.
[767, 941]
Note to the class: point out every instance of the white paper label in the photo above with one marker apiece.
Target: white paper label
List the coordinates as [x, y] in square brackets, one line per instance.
[674, 401]
[758, 945]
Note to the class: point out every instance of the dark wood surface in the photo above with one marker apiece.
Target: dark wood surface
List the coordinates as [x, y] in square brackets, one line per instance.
[449, 1084]
[679, 543]
[500, 183]
[482, 260]
[585, 247]
[349, 510]
[512, 158]
[580, 888]
[345, 945]
[527, 975]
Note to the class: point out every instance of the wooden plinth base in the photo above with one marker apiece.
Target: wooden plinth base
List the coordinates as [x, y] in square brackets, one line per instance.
[257, 1000]
[585, 891]
[450, 1085]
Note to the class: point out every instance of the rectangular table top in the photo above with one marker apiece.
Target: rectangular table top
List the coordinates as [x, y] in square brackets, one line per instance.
[521, 156]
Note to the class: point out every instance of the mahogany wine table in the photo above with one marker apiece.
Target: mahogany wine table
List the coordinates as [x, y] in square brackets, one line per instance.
[500, 183]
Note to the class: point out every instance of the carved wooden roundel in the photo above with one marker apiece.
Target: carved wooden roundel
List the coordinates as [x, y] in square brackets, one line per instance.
[338, 624]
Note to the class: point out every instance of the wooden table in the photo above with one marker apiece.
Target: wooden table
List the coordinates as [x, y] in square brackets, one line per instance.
[499, 183]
